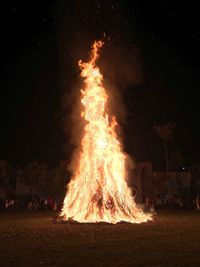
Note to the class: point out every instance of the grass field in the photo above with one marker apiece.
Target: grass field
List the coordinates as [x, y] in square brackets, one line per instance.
[31, 239]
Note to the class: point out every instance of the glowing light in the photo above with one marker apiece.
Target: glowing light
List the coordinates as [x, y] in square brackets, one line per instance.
[98, 191]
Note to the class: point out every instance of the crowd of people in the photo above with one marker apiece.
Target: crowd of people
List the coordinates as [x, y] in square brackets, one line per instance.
[33, 203]
[50, 204]
[151, 204]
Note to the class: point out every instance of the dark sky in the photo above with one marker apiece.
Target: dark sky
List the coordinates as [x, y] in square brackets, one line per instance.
[41, 43]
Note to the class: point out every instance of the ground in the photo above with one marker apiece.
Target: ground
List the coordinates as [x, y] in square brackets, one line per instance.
[32, 239]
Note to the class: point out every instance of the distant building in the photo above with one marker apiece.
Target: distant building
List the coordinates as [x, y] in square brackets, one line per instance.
[7, 178]
[195, 178]
[142, 181]
[175, 184]
[39, 179]
[151, 184]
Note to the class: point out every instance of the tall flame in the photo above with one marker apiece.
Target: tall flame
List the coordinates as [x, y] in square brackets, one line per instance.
[98, 191]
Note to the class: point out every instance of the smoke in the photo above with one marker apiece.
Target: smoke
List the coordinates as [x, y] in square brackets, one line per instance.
[122, 69]
[121, 66]
[120, 62]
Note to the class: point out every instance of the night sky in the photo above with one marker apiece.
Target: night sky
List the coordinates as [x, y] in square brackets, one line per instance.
[152, 51]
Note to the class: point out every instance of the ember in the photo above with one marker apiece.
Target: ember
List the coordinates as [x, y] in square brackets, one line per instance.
[98, 191]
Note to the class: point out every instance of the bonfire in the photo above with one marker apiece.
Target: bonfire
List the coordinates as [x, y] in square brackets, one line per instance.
[98, 190]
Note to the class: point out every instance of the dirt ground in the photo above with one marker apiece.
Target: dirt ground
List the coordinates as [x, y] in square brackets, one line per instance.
[32, 239]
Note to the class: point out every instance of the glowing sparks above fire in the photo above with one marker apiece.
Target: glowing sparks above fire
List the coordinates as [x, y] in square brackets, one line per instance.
[98, 192]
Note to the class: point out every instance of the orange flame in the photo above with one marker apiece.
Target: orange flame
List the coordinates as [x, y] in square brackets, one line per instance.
[98, 191]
